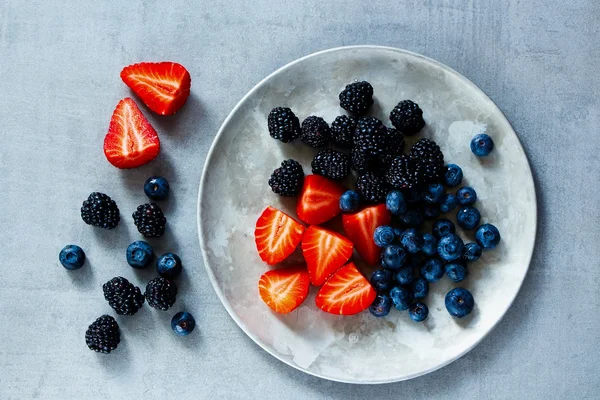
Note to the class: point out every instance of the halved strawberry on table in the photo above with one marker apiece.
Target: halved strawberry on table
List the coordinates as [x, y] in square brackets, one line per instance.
[276, 235]
[347, 292]
[284, 289]
[163, 86]
[319, 200]
[325, 252]
[131, 141]
[359, 228]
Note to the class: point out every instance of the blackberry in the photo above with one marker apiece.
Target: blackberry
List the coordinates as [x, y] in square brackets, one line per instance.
[370, 136]
[123, 296]
[150, 220]
[161, 293]
[394, 142]
[101, 211]
[103, 335]
[407, 117]
[359, 161]
[429, 159]
[342, 130]
[283, 124]
[287, 180]
[357, 97]
[315, 131]
[331, 164]
[402, 173]
[372, 188]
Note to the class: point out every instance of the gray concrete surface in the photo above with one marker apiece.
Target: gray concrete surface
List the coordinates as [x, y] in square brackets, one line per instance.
[59, 83]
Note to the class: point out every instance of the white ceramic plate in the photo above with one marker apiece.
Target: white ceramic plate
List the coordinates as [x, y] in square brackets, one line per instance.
[234, 191]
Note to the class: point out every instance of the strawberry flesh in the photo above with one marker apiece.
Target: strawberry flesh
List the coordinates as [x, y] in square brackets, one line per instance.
[359, 228]
[284, 289]
[325, 252]
[319, 200]
[276, 235]
[346, 292]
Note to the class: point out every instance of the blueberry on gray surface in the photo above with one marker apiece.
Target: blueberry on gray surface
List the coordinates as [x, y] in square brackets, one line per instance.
[471, 252]
[468, 217]
[429, 160]
[283, 124]
[103, 335]
[156, 188]
[183, 323]
[349, 201]
[431, 211]
[407, 117]
[315, 131]
[395, 202]
[487, 236]
[342, 130]
[393, 257]
[420, 288]
[383, 235]
[357, 97]
[411, 219]
[466, 196]
[381, 306]
[169, 265]
[412, 240]
[448, 203]
[402, 173]
[429, 245]
[459, 302]
[101, 211]
[401, 297]
[382, 280]
[418, 312]
[123, 296]
[161, 293]
[72, 257]
[450, 247]
[453, 175]
[405, 275]
[331, 164]
[433, 193]
[432, 270]
[370, 136]
[139, 254]
[456, 271]
[372, 188]
[482, 145]
[442, 227]
[287, 180]
[150, 220]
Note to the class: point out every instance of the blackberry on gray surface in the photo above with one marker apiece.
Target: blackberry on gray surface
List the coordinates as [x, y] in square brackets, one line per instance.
[359, 161]
[372, 188]
[124, 297]
[402, 173]
[357, 97]
[161, 293]
[150, 220]
[287, 180]
[283, 124]
[429, 160]
[407, 117]
[394, 142]
[103, 335]
[342, 130]
[370, 136]
[315, 131]
[101, 211]
[331, 164]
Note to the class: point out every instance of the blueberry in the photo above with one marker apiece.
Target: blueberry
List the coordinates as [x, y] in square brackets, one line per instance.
[453, 175]
[405, 275]
[468, 217]
[395, 202]
[72, 257]
[398, 233]
[449, 202]
[381, 306]
[418, 312]
[472, 252]
[456, 271]
[431, 211]
[383, 235]
[349, 201]
[429, 245]
[139, 254]
[459, 302]
[168, 265]
[433, 194]
[393, 257]
[415, 260]
[442, 227]
[450, 247]
[412, 240]
[156, 188]
[411, 219]
[420, 288]
[482, 145]
[432, 270]
[466, 196]
[487, 236]
[183, 323]
[401, 297]
[381, 280]
[412, 196]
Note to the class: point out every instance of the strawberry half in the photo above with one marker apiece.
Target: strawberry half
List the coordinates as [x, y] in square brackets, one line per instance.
[131, 141]
[319, 201]
[163, 86]
[359, 228]
[347, 292]
[325, 252]
[284, 289]
[276, 235]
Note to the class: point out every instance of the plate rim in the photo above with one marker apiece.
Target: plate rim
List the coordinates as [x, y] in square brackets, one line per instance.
[209, 157]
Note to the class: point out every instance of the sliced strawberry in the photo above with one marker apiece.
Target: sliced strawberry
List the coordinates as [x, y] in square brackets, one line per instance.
[319, 201]
[284, 289]
[347, 292]
[325, 252]
[163, 86]
[131, 141]
[359, 228]
[276, 235]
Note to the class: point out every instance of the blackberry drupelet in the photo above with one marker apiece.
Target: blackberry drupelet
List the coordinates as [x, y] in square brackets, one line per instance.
[429, 159]
[101, 211]
[123, 296]
[370, 136]
[407, 117]
[150, 220]
[161, 293]
[357, 97]
[283, 124]
[103, 335]
[287, 180]
[331, 164]
[402, 173]
[372, 188]
[342, 130]
[315, 131]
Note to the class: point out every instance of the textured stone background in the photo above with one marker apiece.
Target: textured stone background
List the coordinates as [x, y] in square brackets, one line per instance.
[59, 80]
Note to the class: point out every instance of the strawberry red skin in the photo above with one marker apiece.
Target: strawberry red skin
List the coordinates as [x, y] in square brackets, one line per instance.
[284, 289]
[359, 228]
[325, 252]
[319, 200]
[276, 235]
[163, 86]
[346, 292]
[131, 141]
